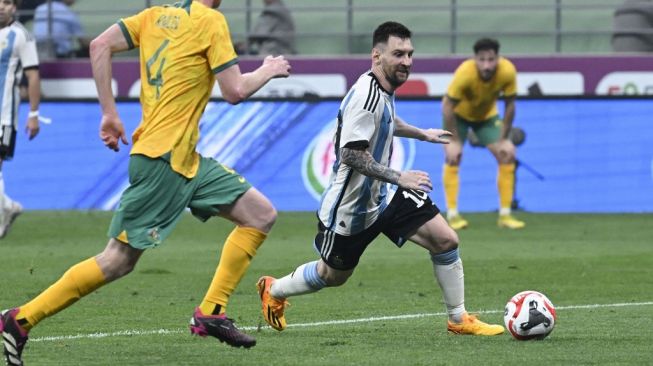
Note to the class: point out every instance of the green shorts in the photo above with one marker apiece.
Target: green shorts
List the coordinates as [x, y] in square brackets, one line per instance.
[157, 196]
[487, 132]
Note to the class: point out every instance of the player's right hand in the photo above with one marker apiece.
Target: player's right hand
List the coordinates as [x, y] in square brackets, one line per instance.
[112, 130]
[415, 179]
[279, 65]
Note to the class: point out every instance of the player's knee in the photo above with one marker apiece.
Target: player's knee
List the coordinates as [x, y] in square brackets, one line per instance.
[508, 159]
[267, 218]
[507, 156]
[125, 269]
[260, 217]
[117, 261]
[506, 153]
[447, 241]
[114, 270]
[454, 160]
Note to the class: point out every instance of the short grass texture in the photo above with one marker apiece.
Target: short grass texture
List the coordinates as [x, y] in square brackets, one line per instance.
[597, 270]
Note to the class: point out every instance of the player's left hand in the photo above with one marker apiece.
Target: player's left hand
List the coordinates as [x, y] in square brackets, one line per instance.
[32, 127]
[437, 135]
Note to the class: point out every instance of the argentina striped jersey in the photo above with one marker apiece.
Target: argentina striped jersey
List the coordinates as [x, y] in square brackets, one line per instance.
[353, 201]
[18, 51]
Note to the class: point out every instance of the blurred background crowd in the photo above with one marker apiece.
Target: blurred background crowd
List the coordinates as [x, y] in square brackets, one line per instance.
[63, 28]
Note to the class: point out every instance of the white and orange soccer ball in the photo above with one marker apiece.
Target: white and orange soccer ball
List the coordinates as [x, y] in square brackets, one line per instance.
[529, 315]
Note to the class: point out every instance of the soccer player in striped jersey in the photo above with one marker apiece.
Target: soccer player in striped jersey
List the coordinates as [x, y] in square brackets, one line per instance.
[184, 49]
[357, 205]
[17, 55]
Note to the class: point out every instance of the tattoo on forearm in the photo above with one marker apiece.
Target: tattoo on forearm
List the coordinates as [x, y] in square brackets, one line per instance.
[362, 162]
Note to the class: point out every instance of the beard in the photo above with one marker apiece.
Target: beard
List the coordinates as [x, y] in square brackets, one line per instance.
[487, 74]
[4, 20]
[393, 77]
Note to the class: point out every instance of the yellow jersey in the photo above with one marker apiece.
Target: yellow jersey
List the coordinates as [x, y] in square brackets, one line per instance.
[477, 99]
[182, 46]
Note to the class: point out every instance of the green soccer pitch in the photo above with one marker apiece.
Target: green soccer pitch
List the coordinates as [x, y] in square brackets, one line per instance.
[596, 269]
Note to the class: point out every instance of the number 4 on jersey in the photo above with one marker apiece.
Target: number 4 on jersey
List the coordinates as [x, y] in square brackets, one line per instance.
[157, 80]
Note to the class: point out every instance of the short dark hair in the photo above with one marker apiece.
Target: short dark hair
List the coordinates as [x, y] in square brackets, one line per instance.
[486, 44]
[387, 29]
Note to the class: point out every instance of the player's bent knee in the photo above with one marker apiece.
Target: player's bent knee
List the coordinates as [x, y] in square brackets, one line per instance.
[454, 160]
[507, 160]
[117, 260]
[447, 241]
[114, 270]
[265, 219]
[255, 210]
[507, 156]
[124, 269]
[270, 216]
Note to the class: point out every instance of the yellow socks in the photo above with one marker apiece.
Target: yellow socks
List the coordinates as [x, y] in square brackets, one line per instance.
[506, 185]
[80, 280]
[237, 253]
[451, 182]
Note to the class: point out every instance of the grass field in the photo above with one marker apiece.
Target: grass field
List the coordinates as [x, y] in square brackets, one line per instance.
[596, 269]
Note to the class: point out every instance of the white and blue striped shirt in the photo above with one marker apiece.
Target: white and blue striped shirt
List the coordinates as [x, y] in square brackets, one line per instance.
[18, 52]
[352, 201]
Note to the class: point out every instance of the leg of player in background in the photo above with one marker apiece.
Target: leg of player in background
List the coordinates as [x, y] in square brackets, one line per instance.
[451, 183]
[9, 209]
[515, 202]
[254, 216]
[117, 260]
[504, 151]
[5, 202]
[442, 242]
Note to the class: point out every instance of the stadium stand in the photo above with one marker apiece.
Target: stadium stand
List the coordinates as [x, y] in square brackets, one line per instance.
[633, 14]
[524, 26]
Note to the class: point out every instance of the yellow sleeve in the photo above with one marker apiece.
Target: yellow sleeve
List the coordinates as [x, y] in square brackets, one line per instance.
[457, 86]
[131, 28]
[221, 53]
[510, 90]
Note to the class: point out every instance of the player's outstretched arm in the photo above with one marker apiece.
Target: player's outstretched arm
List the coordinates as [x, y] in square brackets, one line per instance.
[436, 135]
[363, 162]
[236, 87]
[101, 50]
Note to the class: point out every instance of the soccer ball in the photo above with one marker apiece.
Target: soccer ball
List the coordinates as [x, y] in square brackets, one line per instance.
[529, 315]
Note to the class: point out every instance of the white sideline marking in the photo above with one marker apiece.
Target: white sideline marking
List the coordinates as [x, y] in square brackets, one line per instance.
[315, 324]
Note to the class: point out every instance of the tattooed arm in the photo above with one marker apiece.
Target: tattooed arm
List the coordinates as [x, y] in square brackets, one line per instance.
[362, 161]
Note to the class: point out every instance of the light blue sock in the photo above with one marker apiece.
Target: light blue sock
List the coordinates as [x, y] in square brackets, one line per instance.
[303, 280]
